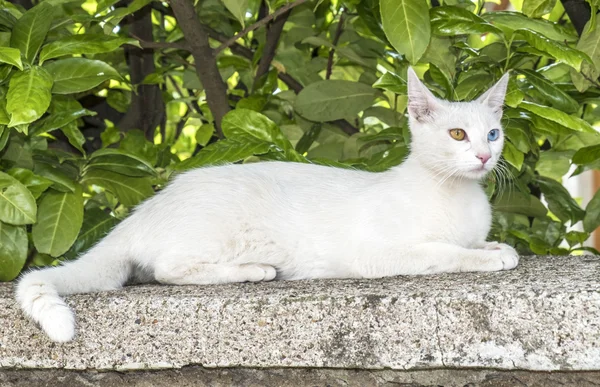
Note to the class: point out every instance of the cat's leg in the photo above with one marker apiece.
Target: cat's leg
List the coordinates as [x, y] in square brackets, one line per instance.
[199, 273]
[436, 257]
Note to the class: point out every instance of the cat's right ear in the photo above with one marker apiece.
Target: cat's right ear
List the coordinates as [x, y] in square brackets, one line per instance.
[421, 102]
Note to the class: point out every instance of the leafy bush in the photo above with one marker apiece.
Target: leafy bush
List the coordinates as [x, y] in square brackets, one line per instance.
[103, 101]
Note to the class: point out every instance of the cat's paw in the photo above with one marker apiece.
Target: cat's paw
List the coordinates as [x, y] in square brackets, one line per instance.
[257, 272]
[505, 254]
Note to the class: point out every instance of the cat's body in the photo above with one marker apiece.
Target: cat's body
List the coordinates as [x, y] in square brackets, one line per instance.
[271, 220]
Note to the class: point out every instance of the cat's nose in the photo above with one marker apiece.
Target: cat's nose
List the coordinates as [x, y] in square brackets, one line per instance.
[484, 157]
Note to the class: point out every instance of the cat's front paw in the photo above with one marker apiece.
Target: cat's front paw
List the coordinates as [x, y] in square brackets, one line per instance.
[506, 254]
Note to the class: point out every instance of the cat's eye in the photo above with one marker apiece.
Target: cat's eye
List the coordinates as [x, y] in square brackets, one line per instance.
[493, 135]
[457, 134]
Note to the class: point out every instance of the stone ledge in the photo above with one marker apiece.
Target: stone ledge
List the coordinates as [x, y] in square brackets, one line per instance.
[543, 316]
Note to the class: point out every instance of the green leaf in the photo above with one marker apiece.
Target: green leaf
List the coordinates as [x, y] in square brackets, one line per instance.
[368, 11]
[88, 44]
[587, 155]
[96, 224]
[129, 190]
[589, 43]
[591, 221]
[407, 27]
[28, 95]
[74, 135]
[330, 100]
[60, 119]
[240, 123]
[558, 51]
[513, 155]
[13, 251]
[537, 8]
[520, 203]
[512, 21]
[450, 21]
[121, 161]
[559, 200]
[74, 75]
[36, 184]
[4, 117]
[568, 121]
[237, 8]
[61, 180]
[225, 151]
[59, 221]
[391, 82]
[555, 96]
[11, 56]
[135, 143]
[17, 205]
[30, 30]
[204, 134]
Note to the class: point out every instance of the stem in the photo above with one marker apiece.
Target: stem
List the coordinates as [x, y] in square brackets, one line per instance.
[259, 24]
[336, 38]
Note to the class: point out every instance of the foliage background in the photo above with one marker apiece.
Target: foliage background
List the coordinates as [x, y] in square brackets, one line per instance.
[102, 101]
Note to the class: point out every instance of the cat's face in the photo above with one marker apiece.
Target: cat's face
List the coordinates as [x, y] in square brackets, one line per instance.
[456, 139]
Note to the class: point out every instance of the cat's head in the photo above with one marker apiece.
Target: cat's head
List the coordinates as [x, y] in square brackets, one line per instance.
[464, 139]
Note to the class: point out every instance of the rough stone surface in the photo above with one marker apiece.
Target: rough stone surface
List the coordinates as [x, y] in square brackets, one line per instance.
[545, 315]
[296, 377]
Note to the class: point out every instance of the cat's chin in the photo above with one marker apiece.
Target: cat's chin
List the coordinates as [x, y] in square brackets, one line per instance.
[475, 174]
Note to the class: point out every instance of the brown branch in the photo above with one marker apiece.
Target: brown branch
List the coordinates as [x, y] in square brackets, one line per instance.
[259, 24]
[204, 59]
[162, 45]
[579, 12]
[274, 30]
[336, 38]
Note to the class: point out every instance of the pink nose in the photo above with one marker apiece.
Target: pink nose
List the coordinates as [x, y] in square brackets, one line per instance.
[484, 157]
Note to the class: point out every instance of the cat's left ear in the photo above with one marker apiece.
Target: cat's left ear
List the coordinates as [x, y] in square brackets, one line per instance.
[494, 97]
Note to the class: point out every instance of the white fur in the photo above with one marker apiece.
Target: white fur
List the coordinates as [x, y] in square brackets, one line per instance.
[257, 221]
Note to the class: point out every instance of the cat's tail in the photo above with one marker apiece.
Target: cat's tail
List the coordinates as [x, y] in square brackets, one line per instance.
[103, 267]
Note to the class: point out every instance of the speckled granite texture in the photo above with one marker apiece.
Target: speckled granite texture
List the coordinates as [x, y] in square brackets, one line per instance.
[545, 315]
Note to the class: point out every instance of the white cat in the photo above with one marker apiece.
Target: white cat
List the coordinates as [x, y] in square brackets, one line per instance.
[262, 221]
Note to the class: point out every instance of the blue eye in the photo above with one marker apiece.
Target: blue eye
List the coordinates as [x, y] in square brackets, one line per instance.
[493, 135]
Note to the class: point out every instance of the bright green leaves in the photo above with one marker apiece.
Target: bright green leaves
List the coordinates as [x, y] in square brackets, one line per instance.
[552, 94]
[407, 27]
[537, 8]
[11, 56]
[248, 133]
[559, 200]
[83, 44]
[331, 100]
[568, 121]
[75, 75]
[28, 95]
[591, 221]
[450, 21]
[589, 43]
[129, 190]
[121, 162]
[17, 205]
[557, 50]
[59, 221]
[237, 8]
[30, 30]
[13, 251]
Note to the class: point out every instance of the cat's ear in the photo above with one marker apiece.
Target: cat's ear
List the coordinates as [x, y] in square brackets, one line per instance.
[421, 102]
[494, 97]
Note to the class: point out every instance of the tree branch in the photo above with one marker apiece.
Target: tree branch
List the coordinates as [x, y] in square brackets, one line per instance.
[204, 59]
[162, 45]
[259, 24]
[274, 30]
[336, 38]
